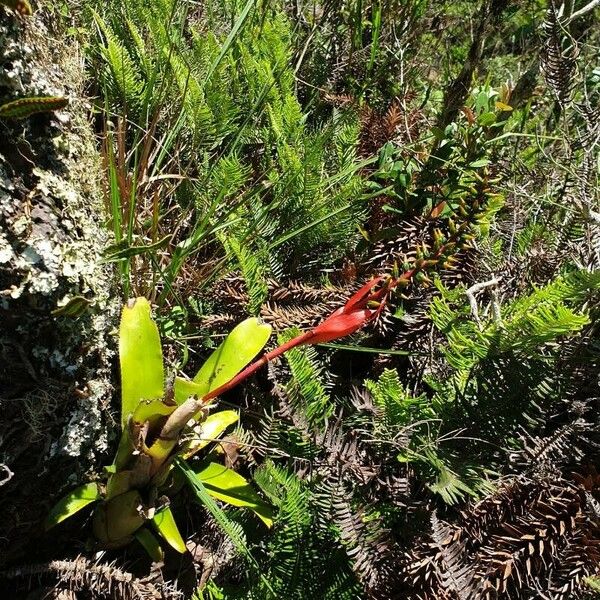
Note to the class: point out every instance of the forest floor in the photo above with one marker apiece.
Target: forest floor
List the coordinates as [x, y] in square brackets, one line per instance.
[355, 250]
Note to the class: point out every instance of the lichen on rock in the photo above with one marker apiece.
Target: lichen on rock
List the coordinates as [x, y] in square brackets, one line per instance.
[55, 379]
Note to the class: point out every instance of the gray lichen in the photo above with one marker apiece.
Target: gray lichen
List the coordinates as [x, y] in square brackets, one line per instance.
[56, 383]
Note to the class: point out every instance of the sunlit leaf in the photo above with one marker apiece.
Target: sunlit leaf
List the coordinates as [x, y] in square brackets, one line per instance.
[243, 343]
[503, 106]
[227, 485]
[150, 410]
[140, 355]
[210, 429]
[482, 162]
[166, 526]
[150, 544]
[73, 502]
[184, 389]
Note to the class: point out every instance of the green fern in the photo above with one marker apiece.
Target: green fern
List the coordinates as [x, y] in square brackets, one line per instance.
[306, 388]
[525, 327]
[251, 266]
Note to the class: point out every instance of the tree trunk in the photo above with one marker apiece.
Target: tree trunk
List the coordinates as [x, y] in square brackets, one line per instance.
[55, 371]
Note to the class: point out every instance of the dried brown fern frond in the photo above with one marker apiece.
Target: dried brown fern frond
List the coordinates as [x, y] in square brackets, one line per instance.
[289, 304]
[298, 293]
[521, 554]
[530, 537]
[510, 501]
[102, 581]
[547, 452]
[558, 56]
[398, 123]
[283, 317]
[457, 575]
[339, 100]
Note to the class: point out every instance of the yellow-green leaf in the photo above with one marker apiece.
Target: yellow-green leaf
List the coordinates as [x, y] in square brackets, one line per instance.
[166, 526]
[151, 410]
[244, 342]
[210, 429]
[504, 107]
[227, 485]
[140, 355]
[184, 389]
[72, 503]
[150, 544]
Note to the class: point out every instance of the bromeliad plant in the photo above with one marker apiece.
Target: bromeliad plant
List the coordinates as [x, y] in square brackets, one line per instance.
[161, 422]
[166, 423]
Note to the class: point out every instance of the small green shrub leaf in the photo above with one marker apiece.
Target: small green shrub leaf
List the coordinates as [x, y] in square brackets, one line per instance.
[71, 503]
[486, 119]
[227, 485]
[166, 526]
[482, 162]
[140, 355]
[243, 343]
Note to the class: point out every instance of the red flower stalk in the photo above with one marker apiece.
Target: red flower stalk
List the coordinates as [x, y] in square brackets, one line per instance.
[364, 306]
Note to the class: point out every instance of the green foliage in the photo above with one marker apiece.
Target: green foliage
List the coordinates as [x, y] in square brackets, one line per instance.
[255, 150]
[306, 388]
[293, 558]
[166, 527]
[227, 485]
[523, 328]
[399, 408]
[275, 191]
[73, 502]
[140, 358]
[153, 423]
[238, 349]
